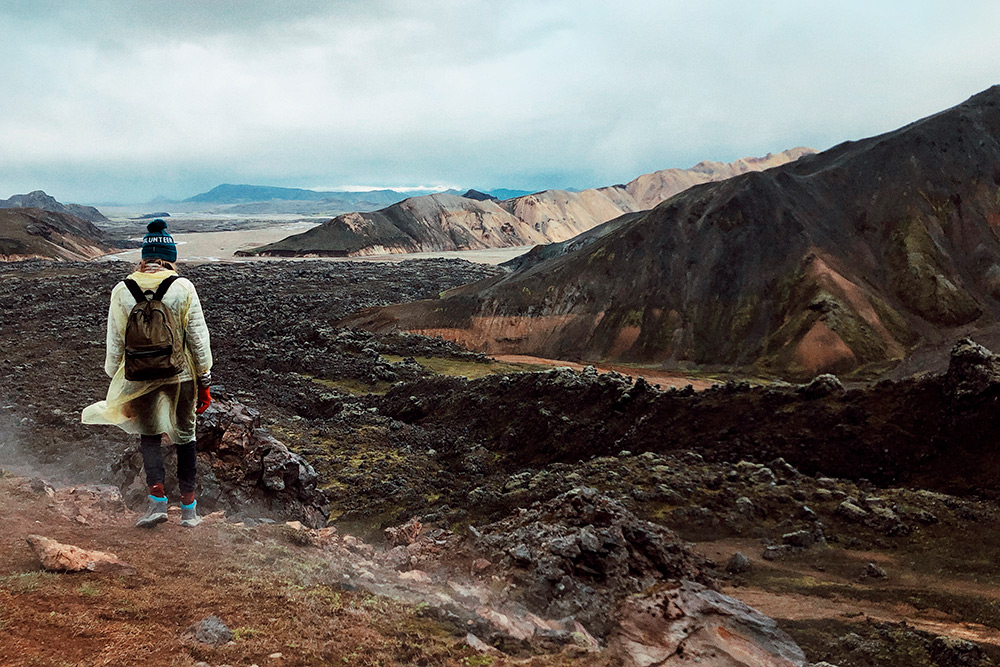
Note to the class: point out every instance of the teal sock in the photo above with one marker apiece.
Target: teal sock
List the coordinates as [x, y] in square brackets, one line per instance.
[159, 500]
[189, 507]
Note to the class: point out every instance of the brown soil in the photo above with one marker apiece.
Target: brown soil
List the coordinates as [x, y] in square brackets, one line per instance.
[277, 597]
[792, 606]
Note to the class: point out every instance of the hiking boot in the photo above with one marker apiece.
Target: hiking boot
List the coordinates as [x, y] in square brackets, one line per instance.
[189, 515]
[155, 513]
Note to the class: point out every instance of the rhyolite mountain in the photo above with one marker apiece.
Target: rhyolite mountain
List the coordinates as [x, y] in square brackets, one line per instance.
[838, 260]
[40, 200]
[476, 220]
[29, 233]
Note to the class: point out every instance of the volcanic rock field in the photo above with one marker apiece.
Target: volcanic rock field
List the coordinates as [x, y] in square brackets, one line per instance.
[862, 518]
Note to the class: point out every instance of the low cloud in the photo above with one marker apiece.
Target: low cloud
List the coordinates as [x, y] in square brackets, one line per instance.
[126, 101]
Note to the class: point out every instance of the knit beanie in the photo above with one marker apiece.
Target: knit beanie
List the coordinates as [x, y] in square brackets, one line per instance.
[158, 243]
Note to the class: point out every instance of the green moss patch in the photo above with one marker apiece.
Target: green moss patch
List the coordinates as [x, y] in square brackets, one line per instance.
[918, 275]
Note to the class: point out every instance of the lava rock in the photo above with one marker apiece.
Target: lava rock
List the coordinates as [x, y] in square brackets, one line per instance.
[972, 369]
[580, 552]
[58, 557]
[685, 622]
[851, 511]
[738, 563]
[822, 386]
[802, 539]
[873, 571]
[211, 630]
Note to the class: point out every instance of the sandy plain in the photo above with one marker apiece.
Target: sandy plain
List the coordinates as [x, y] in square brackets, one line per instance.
[220, 247]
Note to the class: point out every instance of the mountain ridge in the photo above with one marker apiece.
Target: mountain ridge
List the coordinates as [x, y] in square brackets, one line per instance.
[434, 222]
[40, 200]
[840, 260]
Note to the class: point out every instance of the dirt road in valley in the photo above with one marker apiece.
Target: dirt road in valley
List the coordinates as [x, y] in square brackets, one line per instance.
[793, 606]
[664, 379]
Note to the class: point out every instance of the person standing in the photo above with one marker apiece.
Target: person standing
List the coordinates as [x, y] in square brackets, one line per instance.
[159, 360]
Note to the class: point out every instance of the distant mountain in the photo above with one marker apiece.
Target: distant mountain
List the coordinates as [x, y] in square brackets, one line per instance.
[38, 199]
[27, 233]
[237, 194]
[259, 194]
[448, 222]
[477, 195]
[504, 193]
[840, 260]
[325, 207]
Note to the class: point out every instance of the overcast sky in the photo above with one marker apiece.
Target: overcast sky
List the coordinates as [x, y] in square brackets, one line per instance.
[123, 101]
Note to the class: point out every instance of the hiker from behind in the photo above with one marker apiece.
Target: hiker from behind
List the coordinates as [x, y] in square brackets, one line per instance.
[159, 362]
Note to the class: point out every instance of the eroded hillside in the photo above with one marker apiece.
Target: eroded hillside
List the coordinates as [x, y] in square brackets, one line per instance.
[450, 222]
[842, 260]
[27, 233]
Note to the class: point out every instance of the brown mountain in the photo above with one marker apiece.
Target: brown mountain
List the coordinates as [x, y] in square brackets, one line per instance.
[41, 200]
[838, 260]
[27, 233]
[449, 222]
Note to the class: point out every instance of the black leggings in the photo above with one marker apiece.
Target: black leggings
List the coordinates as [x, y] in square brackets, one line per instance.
[152, 461]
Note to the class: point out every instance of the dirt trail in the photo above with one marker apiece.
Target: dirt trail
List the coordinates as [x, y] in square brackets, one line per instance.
[654, 377]
[276, 596]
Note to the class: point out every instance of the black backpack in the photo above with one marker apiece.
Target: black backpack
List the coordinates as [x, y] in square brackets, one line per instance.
[154, 346]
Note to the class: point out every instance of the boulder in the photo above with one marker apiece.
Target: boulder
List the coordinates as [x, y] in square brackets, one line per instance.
[802, 539]
[738, 563]
[58, 557]
[777, 551]
[873, 571]
[683, 622]
[972, 369]
[211, 630]
[822, 386]
[851, 511]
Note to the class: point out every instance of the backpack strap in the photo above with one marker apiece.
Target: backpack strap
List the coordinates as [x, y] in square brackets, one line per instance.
[165, 284]
[136, 291]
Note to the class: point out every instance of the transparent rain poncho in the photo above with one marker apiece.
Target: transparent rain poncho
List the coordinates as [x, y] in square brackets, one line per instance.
[150, 407]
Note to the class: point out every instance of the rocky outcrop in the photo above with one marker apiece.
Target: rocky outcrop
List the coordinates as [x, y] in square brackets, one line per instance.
[476, 220]
[33, 233]
[577, 554]
[840, 260]
[58, 557]
[680, 623]
[972, 370]
[242, 470]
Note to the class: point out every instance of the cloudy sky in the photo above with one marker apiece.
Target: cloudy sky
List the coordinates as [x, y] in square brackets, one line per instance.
[123, 101]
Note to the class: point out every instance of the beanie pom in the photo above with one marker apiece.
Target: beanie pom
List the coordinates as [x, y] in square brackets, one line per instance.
[156, 226]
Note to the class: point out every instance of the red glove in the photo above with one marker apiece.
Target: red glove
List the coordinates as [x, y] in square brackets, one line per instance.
[204, 400]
